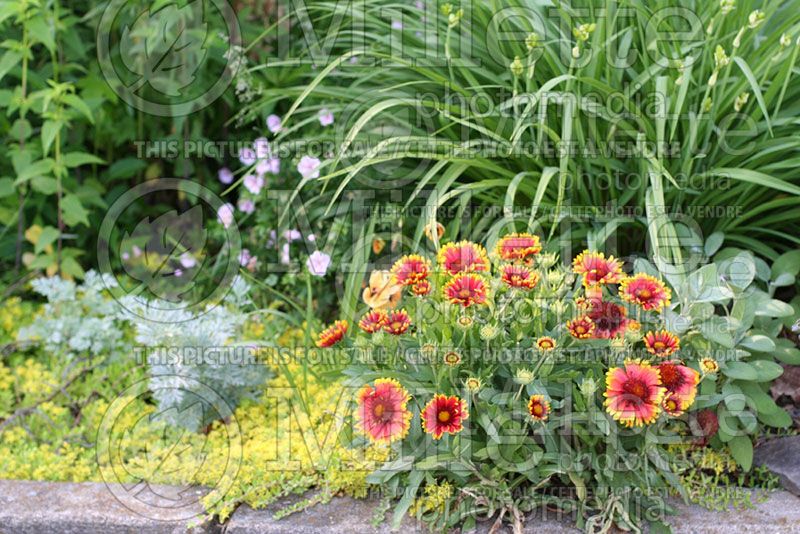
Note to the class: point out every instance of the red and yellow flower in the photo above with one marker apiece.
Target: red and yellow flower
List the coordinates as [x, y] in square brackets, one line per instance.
[545, 343]
[647, 291]
[709, 365]
[662, 343]
[421, 288]
[672, 405]
[680, 382]
[515, 247]
[597, 269]
[538, 407]
[466, 289]
[411, 269]
[397, 322]
[383, 415]
[452, 358]
[444, 414]
[634, 393]
[373, 321]
[332, 334]
[581, 327]
[463, 257]
[609, 318]
[429, 231]
[518, 276]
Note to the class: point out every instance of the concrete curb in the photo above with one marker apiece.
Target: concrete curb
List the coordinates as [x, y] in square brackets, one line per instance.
[88, 508]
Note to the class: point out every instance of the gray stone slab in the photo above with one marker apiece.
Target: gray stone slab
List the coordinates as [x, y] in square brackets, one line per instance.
[779, 514]
[87, 508]
[782, 457]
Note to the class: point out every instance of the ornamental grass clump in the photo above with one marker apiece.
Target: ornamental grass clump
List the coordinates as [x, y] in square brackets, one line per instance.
[524, 382]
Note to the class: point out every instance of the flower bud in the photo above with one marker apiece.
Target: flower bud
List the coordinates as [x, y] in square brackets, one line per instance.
[523, 376]
[517, 67]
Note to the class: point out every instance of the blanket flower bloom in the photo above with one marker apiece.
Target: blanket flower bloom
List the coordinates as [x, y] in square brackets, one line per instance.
[538, 407]
[609, 319]
[466, 290]
[421, 288]
[518, 247]
[662, 343]
[680, 382]
[382, 293]
[597, 269]
[332, 335]
[452, 358]
[545, 343]
[411, 269]
[518, 276]
[397, 322]
[709, 365]
[647, 291]
[463, 257]
[383, 415]
[581, 327]
[634, 393]
[373, 321]
[444, 414]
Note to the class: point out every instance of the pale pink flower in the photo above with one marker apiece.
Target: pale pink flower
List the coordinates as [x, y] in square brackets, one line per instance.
[274, 123]
[325, 117]
[262, 148]
[244, 257]
[309, 167]
[225, 175]
[246, 205]
[187, 260]
[285, 259]
[397, 25]
[274, 165]
[253, 183]
[318, 263]
[292, 235]
[247, 155]
[225, 215]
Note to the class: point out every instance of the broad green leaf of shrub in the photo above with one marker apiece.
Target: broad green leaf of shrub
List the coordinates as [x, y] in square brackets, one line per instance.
[742, 451]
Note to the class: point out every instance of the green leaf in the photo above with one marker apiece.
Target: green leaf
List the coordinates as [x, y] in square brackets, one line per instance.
[76, 159]
[774, 308]
[790, 355]
[717, 330]
[758, 343]
[9, 61]
[766, 370]
[740, 371]
[6, 187]
[410, 493]
[74, 212]
[78, 105]
[21, 129]
[751, 79]
[787, 263]
[49, 131]
[72, 267]
[38, 168]
[47, 237]
[777, 419]
[46, 185]
[125, 168]
[713, 243]
[742, 451]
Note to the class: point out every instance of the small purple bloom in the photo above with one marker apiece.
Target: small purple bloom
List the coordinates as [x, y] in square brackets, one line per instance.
[318, 263]
[262, 147]
[274, 123]
[253, 183]
[272, 237]
[325, 117]
[274, 165]
[247, 155]
[125, 256]
[136, 251]
[225, 175]
[246, 205]
[397, 25]
[225, 214]
[285, 259]
[309, 167]
[292, 235]
[312, 237]
[244, 257]
[178, 273]
[187, 260]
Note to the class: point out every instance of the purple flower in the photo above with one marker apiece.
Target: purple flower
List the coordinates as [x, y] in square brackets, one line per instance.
[262, 147]
[274, 123]
[246, 205]
[397, 25]
[318, 263]
[312, 237]
[187, 260]
[274, 165]
[419, 5]
[325, 117]
[253, 183]
[136, 251]
[225, 175]
[272, 237]
[178, 273]
[225, 214]
[125, 256]
[244, 257]
[292, 235]
[309, 167]
[247, 155]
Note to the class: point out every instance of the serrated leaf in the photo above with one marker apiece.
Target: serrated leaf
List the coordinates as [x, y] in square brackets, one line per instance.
[6, 187]
[49, 131]
[79, 105]
[46, 237]
[47, 185]
[76, 159]
[9, 60]
[38, 168]
[73, 211]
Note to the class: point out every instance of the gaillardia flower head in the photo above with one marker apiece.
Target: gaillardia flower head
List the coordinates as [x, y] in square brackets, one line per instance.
[411, 269]
[372, 321]
[421, 288]
[444, 414]
[596, 268]
[634, 393]
[452, 358]
[473, 384]
[332, 334]
[647, 291]
[545, 343]
[538, 407]
[662, 344]
[609, 318]
[518, 276]
[709, 365]
[516, 247]
[680, 382]
[397, 322]
[581, 327]
[466, 289]
[382, 413]
[463, 257]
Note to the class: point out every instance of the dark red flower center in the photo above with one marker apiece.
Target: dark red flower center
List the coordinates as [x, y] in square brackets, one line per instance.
[636, 388]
